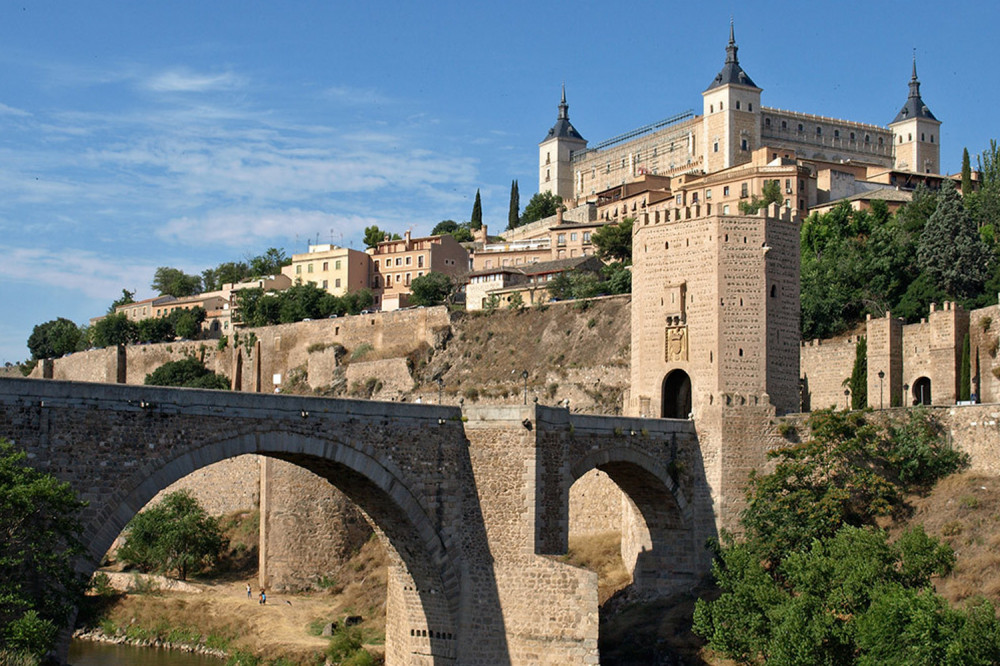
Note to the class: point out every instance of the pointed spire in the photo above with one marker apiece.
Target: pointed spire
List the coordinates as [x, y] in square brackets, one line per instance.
[731, 49]
[563, 129]
[914, 107]
[731, 71]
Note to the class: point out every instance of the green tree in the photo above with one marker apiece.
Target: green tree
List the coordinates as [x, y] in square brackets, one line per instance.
[542, 205]
[174, 535]
[126, 298]
[53, 339]
[113, 330]
[444, 227]
[175, 282]
[374, 236]
[513, 211]
[965, 372]
[476, 221]
[433, 288]
[228, 272]
[857, 383]
[950, 249]
[39, 584]
[771, 193]
[187, 322]
[269, 263]
[614, 241]
[560, 287]
[154, 329]
[966, 173]
[187, 372]
[617, 278]
[460, 232]
[516, 302]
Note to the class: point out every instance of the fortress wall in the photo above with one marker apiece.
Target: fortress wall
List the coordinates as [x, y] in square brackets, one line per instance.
[595, 505]
[393, 374]
[975, 429]
[825, 364]
[984, 340]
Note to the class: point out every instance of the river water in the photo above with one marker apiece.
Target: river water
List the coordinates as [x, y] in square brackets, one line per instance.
[88, 653]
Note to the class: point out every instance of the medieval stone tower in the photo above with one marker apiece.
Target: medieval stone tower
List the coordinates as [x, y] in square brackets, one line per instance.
[731, 115]
[555, 174]
[916, 133]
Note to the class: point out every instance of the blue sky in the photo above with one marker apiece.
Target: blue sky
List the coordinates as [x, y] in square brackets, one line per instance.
[138, 134]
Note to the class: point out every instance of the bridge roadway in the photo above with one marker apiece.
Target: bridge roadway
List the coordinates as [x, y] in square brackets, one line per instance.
[471, 502]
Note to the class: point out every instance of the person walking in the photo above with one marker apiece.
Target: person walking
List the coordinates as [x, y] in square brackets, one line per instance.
[249, 592]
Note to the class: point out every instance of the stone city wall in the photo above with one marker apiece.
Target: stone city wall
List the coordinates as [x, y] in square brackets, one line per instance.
[228, 486]
[824, 365]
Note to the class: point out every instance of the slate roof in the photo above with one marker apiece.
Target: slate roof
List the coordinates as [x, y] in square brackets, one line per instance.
[731, 72]
[914, 107]
[563, 129]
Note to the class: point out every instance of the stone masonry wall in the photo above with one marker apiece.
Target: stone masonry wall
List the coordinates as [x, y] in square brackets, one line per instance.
[825, 364]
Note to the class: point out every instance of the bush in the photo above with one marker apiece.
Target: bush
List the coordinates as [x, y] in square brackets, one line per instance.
[187, 372]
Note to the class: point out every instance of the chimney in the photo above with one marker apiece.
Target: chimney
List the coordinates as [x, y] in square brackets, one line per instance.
[559, 215]
[406, 237]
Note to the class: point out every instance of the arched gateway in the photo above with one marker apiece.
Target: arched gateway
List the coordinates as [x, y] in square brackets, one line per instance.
[676, 395]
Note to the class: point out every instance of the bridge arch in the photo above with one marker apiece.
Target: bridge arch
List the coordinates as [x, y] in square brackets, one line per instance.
[422, 612]
[657, 521]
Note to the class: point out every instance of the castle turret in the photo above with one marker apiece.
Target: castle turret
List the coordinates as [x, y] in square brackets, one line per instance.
[555, 173]
[731, 114]
[916, 133]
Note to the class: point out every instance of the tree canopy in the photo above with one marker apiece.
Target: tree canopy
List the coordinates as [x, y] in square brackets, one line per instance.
[514, 209]
[614, 241]
[433, 288]
[126, 298]
[814, 580]
[113, 330]
[169, 281]
[255, 307]
[54, 338]
[39, 584]
[374, 236]
[542, 205]
[951, 250]
[187, 372]
[460, 232]
[476, 221]
[174, 535]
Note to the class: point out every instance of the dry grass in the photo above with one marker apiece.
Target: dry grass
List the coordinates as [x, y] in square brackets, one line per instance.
[964, 511]
[600, 553]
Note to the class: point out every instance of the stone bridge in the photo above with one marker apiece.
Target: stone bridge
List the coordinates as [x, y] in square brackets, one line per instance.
[472, 503]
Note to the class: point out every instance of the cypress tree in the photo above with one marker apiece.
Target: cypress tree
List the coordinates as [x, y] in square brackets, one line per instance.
[858, 382]
[966, 173]
[476, 222]
[513, 214]
[965, 374]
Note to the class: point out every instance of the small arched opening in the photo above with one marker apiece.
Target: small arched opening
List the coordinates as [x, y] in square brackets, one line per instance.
[922, 391]
[676, 395]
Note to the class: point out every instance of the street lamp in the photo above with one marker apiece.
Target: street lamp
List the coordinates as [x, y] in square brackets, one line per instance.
[881, 376]
[847, 396]
[524, 376]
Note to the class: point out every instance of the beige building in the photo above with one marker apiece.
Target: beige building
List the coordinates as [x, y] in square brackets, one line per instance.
[732, 127]
[549, 240]
[396, 263]
[338, 270]
[529, 280]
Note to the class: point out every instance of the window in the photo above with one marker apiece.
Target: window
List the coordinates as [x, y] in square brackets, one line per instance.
[309, 268]
[721, 107]
[420, 261]
[715, 147]
[711, 108]
[767, 122]
[376, 264]
[868, 138]
[819, 130]
[880, 140]
[932, 139]
[409, 261]
[909, 137]
[326, 265]
[852, 136]
[836, 134]
[407, 280]
[336, 283]
[298, 269]
[326, 284]
[749, 106]
[744, 145]
[922, 137]
[336, 265]
[548, 176]
[572, 236]
[398, 276]
[725, 209]
[586, 236]
[744, 190]
[399, 261]
[561, 239]
[737, 105]
[784, 125]
[725, 191]
[801, 127]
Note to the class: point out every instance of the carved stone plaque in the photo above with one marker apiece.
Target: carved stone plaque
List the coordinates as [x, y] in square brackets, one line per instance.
[676, 344]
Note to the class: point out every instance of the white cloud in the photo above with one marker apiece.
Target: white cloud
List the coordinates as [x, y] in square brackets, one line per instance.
[11, 111]
[183, 80]
[73, 270]
[249, 228]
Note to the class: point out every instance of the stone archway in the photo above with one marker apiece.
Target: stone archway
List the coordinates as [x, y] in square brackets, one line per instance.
[921, 391]
[656, 523]
[676, 395]
[423, 596]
